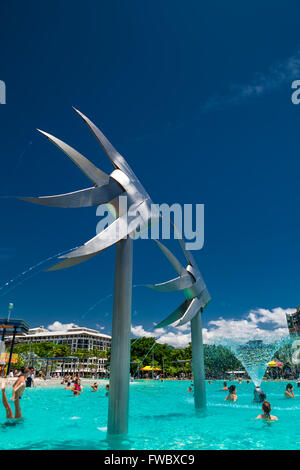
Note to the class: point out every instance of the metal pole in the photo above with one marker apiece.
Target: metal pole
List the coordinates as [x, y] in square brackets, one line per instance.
[120, 345]
[11, 351]
[10, 308]
[198, 362]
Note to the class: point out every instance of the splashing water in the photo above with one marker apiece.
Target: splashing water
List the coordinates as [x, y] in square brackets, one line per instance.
[102, 299]
[256, 354]
[90, 309]
[23, 276]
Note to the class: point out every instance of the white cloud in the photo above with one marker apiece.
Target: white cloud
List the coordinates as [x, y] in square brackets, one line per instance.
[252, 326]
[257, 324]
[172, 336]
[139, 331]
[273, 79]
[177, 340]
[58, 326]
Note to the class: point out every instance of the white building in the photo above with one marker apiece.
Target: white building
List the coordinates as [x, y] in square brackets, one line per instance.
[76, 338]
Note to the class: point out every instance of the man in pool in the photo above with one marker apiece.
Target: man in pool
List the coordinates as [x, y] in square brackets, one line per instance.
[266, 407]
[17, 393]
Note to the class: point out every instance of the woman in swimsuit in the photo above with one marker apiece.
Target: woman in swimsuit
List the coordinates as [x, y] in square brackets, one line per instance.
[77, 388]
[266, 407]
[289, 391]
[232, 396]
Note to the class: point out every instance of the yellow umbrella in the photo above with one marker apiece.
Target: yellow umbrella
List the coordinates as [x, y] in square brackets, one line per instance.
[150, 368]
[272, 364]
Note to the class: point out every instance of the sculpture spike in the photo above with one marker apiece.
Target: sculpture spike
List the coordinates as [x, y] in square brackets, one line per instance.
[115, 157]
[175, 315]
[88, 168]
[179, 283]
[191, 312]
[121, 228]
[69, 262]
[84, 198]
[173, 260]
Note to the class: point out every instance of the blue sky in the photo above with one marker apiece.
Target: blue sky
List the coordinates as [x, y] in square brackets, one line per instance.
[198, 99]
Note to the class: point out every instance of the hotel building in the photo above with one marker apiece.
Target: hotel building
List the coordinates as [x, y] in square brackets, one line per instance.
[76, 338]
[293, 322]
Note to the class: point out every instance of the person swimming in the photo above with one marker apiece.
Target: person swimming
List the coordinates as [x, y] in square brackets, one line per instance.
[266, 408]
[289, 391]
[69, 386]
[77, 388]
[107, 389]
[95, 387]
[225, 386]
[17, 395]
[232, 396]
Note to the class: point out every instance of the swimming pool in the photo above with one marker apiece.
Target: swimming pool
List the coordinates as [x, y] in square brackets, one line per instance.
[162, 416]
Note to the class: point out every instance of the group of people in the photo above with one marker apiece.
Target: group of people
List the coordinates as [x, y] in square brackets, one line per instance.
[74, 383]
[259, 397]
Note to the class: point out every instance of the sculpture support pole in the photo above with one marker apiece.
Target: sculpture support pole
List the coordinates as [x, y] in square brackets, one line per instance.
[198, 362]
[120, 347]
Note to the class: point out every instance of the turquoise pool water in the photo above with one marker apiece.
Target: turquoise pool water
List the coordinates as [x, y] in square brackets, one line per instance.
[162, 416]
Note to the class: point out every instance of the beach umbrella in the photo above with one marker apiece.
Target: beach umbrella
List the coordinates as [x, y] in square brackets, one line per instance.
[273, 364]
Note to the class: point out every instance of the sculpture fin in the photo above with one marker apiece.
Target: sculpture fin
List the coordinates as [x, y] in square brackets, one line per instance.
[84, 198]
[175, 315]
[115, 157]
[88, 168]
[116, 231]
[192, 310]
[173, 260]
[179, 283]
[67, 263]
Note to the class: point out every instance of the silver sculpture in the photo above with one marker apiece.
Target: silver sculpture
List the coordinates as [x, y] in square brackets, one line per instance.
[106, 190]
[190, 281]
